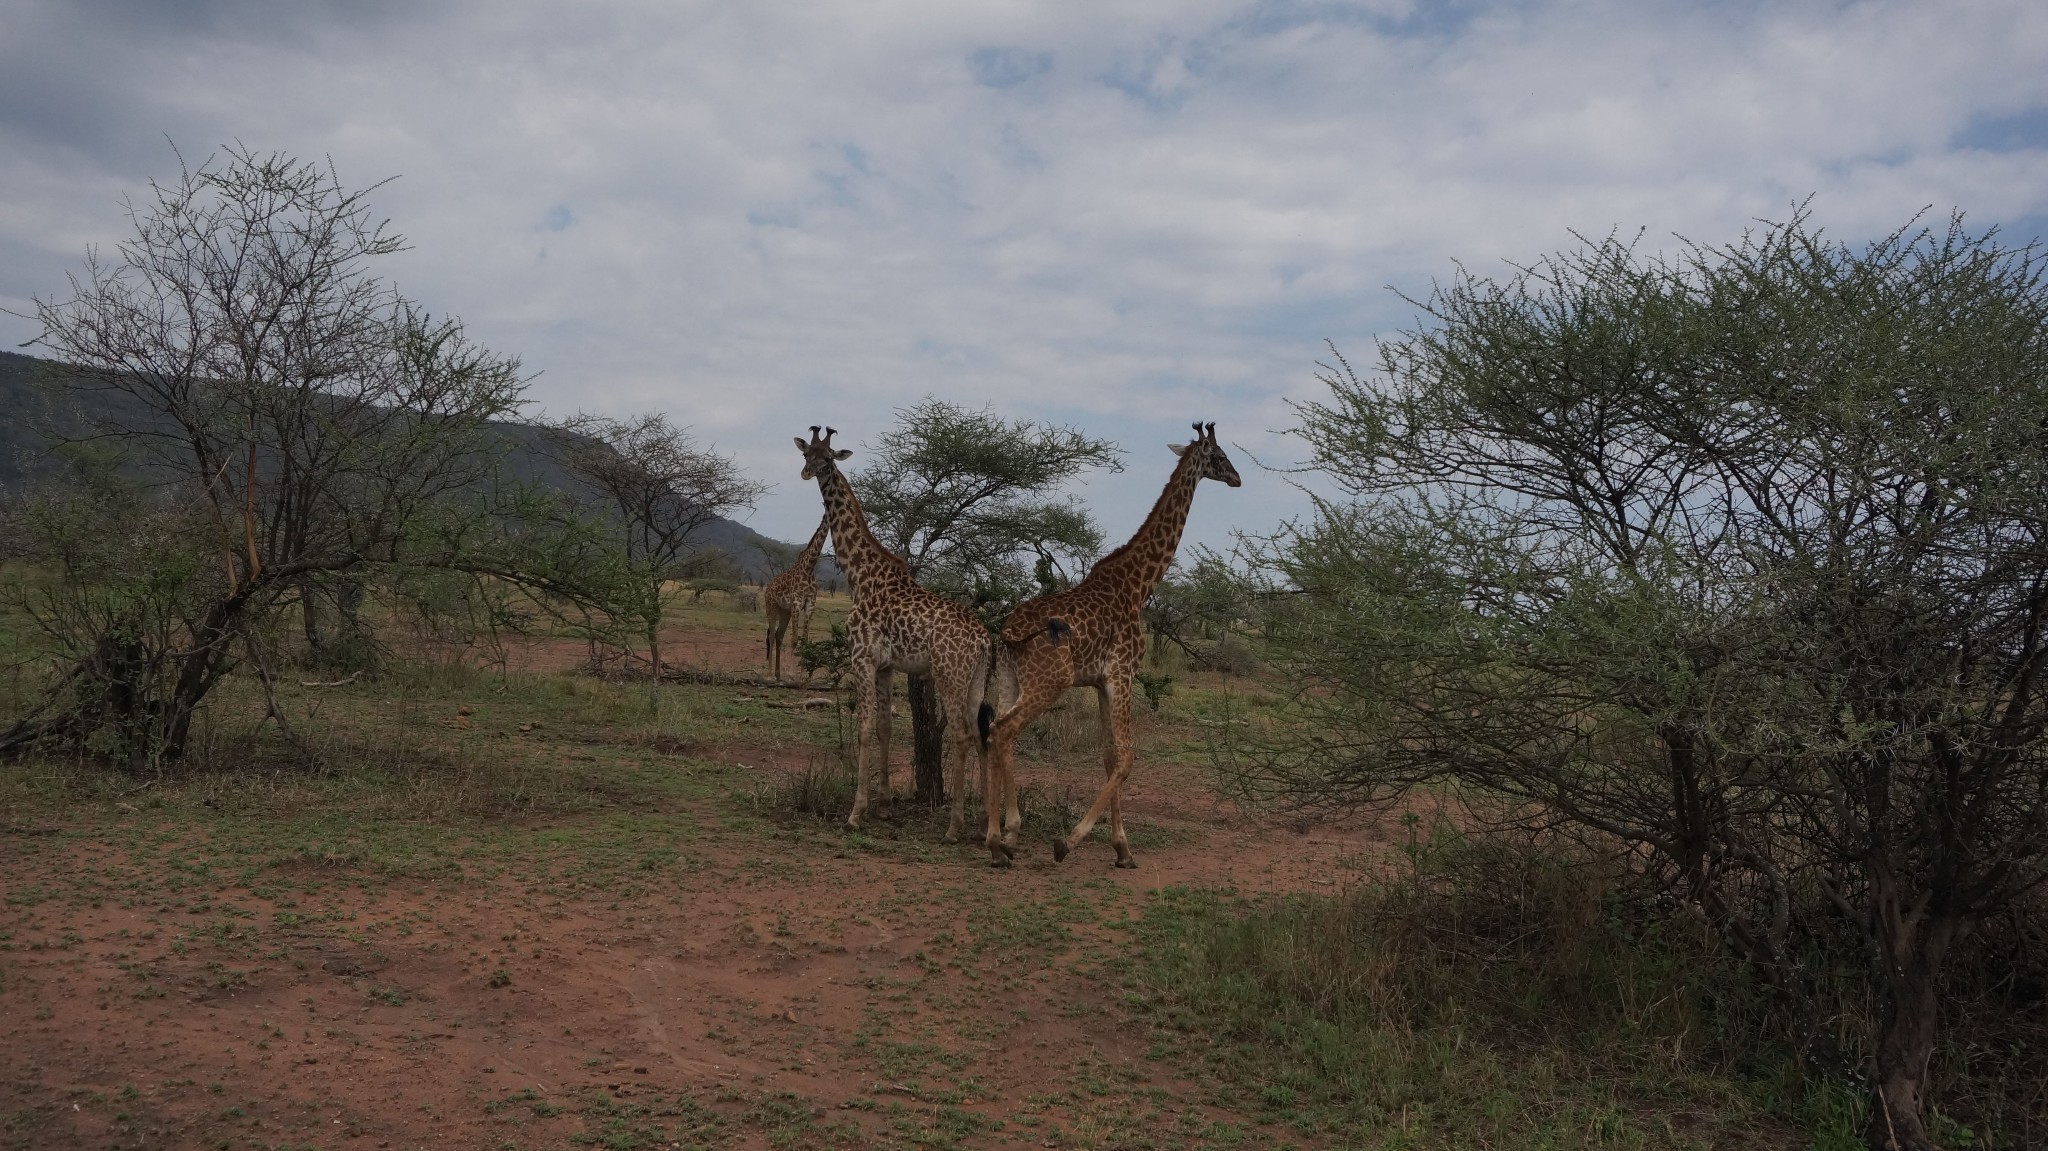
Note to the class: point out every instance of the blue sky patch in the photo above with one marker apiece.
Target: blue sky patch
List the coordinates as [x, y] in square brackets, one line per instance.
[2012, 132]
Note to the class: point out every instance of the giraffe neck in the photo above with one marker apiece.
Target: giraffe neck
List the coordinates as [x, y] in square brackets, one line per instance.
[1131, 572]
[807, 559]
[861, 556]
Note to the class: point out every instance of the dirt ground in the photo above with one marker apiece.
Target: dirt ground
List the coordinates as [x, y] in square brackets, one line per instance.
[739, 987]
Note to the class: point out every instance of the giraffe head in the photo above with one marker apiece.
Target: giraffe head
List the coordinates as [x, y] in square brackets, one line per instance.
[1207, 456]
[819, 458]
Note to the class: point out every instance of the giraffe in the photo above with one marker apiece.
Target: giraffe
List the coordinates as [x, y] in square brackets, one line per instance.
[793, 593]
[896, 625]
[1089, 635]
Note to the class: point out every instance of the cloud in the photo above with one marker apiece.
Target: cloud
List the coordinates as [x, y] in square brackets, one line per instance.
[757, 217]
[1007, 67]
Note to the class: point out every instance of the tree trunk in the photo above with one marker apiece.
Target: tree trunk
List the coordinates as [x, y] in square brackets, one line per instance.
[927, 741]
[1912, 962]
[199, 670]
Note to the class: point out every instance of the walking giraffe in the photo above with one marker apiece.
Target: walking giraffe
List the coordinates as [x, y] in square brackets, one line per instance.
[1090, 635]
[896, 625]
[793, 593]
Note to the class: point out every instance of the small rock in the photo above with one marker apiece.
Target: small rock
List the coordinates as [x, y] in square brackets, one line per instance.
[465, 709]
[639, 1070]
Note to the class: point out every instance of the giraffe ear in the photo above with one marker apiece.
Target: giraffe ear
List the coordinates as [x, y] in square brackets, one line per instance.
[842, 453]
[800, 444]
[1179, 449]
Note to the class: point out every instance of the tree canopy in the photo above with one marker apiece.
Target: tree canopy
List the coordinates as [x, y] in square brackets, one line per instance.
[973, 501]
[1735, 558]
[277, 423]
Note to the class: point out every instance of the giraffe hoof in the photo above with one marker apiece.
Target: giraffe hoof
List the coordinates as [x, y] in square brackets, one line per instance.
[998, 860]
[1059, 850]
[1009, 850]
[1127, 863]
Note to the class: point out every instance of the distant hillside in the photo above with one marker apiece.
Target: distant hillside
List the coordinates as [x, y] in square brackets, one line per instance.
[37, 410]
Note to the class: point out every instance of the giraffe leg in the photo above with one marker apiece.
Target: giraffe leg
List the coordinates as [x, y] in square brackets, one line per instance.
[1116, 708]
[778, 623]
[863, 728]
[1116, 756]
[885, 722]
[1032, 700]
[996, 780]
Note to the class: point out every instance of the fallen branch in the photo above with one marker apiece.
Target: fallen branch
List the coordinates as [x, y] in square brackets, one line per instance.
[342, 682]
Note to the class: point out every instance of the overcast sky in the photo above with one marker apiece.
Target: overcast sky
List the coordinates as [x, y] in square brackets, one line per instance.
[756, 216]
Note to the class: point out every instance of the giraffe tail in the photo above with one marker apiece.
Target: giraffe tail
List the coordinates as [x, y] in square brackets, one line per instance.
[1056, 629]
[984, 720]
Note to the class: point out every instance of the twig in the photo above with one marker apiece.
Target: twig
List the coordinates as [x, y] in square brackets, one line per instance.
[342, 682]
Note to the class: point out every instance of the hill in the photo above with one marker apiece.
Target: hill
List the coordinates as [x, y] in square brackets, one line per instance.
[40, 412]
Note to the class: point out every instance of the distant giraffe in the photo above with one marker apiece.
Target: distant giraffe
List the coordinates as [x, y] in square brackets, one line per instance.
[1090, 635]
[896, 625]
[793, 593]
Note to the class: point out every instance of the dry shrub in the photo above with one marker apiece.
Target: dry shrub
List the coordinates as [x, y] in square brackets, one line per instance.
[1050, 812]
[1992, 1070]
[1069, 727]
[1231, 656]
[822, 790]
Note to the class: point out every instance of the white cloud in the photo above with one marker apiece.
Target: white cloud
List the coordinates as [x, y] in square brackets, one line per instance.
[757, 216]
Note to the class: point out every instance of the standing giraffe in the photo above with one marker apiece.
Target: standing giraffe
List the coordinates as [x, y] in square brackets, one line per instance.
[1089, 635]
[896, 625]
[793, 593]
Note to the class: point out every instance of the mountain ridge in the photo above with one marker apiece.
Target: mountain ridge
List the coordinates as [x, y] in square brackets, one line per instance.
[34, 398]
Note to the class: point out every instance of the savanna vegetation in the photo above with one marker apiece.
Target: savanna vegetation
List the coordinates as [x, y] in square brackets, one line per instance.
[1639, 745]
[1730, 567]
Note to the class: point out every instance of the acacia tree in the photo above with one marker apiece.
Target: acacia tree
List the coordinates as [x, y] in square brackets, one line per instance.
[279, 417]
[971, 500]
[654, 489]
[1735, 559]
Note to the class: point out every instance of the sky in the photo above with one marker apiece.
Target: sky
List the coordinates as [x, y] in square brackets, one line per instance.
[757, 215]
